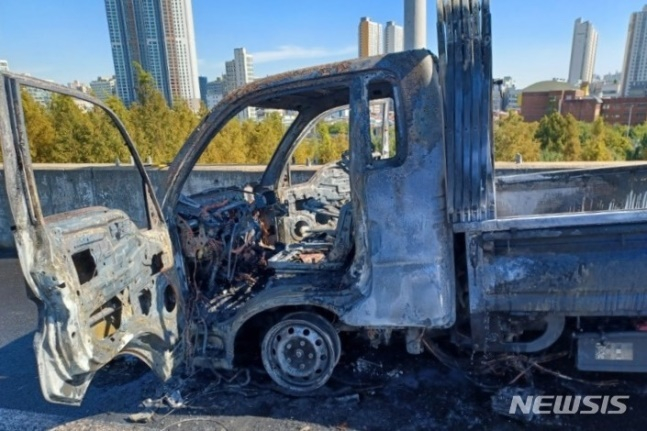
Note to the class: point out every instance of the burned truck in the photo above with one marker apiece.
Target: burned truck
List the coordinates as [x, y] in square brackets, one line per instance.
[424, 241]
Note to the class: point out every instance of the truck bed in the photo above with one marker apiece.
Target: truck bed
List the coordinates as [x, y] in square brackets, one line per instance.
[573, 191]
[570, 243]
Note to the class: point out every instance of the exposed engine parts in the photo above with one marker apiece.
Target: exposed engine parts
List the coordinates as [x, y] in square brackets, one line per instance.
[226, 243]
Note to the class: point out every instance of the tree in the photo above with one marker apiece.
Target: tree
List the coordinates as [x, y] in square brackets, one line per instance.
[145, 87]
[638, 135]
[617, 142]
[340, 127]
[513, 136]
[640, 152]
[152, 119]
[550, 133]
[40, 131]
[182, 122]
[228, 146]
[572, 147]
[107, 144]
[263, 137]
[304, 152]
[324, 151]
[120, 150]
[74, 132]
[595, 149]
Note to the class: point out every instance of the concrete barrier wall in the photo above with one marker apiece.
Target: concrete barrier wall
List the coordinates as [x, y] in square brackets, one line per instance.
[64, 188]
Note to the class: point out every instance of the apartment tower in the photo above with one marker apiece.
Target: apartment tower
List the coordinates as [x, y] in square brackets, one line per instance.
[159, 35]
[583, 50]
[370, 38]
[240, 72]
[393, 38]
[634, 66]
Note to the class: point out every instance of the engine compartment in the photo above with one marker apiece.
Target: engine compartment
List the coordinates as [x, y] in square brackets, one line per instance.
[234, 240]
[227, 237]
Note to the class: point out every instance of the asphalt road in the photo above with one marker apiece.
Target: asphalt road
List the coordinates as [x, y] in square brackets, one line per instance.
[415, 393]
[115, 394]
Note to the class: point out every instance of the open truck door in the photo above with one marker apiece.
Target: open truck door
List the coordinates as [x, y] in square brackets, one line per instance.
[103, 285]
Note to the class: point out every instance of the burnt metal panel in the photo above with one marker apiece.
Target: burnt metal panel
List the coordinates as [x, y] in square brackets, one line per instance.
[402, 236]
[100, 283]
[465, 52]
[590, 190]
[558, 221]
[574, 270]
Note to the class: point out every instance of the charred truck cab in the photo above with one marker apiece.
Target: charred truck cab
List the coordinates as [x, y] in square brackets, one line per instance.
[425, 241]
[375, 268]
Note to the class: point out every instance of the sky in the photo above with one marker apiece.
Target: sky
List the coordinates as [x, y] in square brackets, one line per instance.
[67, 40]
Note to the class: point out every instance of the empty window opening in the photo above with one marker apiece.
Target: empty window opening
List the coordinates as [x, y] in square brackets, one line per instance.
[86, 267]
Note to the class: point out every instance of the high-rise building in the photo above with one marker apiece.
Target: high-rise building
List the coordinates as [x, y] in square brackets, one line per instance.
[202, 81]
[634, 66]
[415, 24]
[215, 92]
[80, 86]
[583, 50]
[159, 35]
[239, 72]
[370, 38]
[606, 86]
[103, 87]
[39, 95]
[393, 38]
[4, 65]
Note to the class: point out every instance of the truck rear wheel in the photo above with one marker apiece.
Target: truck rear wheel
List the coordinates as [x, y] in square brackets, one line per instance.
[300, 352]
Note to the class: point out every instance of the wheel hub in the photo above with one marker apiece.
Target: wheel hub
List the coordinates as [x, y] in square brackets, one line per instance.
[300, 352]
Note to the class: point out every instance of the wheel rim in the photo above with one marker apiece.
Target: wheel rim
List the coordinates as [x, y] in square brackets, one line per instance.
[322, 324]
[299, 354]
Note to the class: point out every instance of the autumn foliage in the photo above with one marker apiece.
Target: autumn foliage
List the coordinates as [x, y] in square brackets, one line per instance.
[64, 132]
[557, 138]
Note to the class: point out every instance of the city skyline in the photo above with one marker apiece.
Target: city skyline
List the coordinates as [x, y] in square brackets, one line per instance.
[531, 40]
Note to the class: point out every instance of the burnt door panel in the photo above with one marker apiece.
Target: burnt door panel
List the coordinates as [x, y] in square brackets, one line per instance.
[100, 282]
[399, 210]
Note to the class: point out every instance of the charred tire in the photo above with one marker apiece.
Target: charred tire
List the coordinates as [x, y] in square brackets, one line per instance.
[300, 352]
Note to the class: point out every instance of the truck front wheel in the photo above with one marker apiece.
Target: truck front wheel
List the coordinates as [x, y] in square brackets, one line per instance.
[300, 352]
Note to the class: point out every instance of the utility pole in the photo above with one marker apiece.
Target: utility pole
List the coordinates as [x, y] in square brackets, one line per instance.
[631, 109]
[386, 145]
